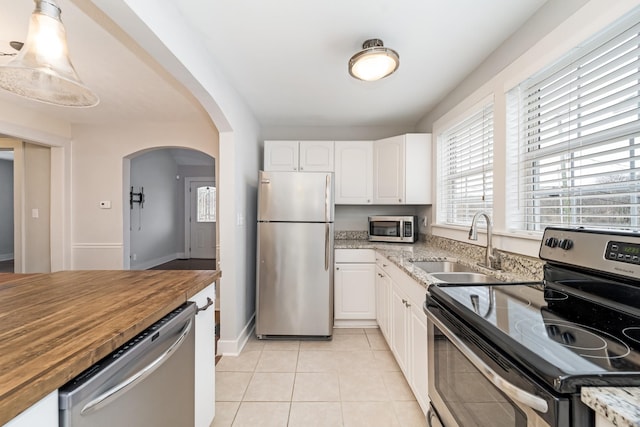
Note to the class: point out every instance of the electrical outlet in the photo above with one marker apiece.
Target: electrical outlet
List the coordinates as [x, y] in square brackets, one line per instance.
[134, 257]
[105, 204]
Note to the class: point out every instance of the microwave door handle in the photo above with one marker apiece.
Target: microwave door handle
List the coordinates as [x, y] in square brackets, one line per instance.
[505, 386]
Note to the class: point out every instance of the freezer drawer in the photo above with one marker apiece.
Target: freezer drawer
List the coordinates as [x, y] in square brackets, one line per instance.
[294, 279]
[294, 196]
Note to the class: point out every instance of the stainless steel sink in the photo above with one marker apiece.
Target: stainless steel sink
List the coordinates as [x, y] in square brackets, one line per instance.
[442, 266]
[464, 277]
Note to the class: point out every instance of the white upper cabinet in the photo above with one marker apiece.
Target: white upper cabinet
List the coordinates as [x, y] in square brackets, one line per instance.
[316, 156]
[402, 170]
[302, 156]
[354, 172]
[281, 155]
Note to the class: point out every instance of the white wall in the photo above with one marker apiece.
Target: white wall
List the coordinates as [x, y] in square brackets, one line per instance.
[6, 210]
[333, 133]
[37, 202]
[98, 174]
[556, 29]
[154, 224]
[157, 26]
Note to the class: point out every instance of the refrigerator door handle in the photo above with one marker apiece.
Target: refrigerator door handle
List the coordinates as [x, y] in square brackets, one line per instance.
[327, 197]
[326, 247]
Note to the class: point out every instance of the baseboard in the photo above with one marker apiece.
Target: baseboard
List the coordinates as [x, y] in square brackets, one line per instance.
[351, 323]
[234, 347]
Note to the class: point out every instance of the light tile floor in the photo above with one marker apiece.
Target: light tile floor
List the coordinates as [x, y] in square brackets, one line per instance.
[350, 381]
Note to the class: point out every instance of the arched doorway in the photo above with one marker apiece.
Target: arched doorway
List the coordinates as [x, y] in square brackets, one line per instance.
[157, 206]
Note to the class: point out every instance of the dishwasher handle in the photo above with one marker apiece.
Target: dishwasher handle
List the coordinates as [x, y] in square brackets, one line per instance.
[115, 391]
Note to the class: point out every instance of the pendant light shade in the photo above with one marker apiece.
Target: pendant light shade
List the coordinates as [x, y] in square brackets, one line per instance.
[42, 70]
[374, 61]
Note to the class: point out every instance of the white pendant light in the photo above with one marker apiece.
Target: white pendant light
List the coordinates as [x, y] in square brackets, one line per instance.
[374, 62]
[42, 70]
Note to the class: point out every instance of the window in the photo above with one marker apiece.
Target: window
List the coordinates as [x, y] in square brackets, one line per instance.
[465, 168]
[574, 137]
[206, 204]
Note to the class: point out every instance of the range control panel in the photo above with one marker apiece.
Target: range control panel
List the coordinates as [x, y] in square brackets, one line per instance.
[624, 252]
[610, 251]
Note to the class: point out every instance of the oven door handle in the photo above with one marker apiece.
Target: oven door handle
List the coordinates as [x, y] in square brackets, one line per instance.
[505, 386]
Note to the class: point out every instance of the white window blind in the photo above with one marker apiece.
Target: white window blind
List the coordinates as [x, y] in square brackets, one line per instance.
[574, 137]
[465, 168]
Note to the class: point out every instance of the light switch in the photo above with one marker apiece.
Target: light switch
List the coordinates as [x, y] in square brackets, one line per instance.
[105, 204]
[35, 213]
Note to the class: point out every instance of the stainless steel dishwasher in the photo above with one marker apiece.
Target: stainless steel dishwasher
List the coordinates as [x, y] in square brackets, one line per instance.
[149, 381]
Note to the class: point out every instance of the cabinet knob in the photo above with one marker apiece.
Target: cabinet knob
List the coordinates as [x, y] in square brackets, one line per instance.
[295, 169]
[368, 201]
[301, 168]
[404, 301]
[337, 268]
[384, 265]
[400, 200]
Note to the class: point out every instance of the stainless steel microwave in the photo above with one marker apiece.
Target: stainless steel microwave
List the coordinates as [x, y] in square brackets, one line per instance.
[402, 229]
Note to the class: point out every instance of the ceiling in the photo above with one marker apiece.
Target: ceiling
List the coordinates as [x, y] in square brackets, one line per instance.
[286, 58]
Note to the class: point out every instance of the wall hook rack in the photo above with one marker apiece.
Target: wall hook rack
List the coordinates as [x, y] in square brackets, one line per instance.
[136, 198]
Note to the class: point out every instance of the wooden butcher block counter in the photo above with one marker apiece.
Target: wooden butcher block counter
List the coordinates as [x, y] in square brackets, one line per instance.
[54, 326]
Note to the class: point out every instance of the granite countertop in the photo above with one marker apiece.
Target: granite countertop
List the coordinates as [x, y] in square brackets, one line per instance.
[54, 326]
[619, 405]
[404, 255]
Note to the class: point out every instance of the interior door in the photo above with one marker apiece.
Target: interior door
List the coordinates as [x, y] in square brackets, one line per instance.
[202, 220]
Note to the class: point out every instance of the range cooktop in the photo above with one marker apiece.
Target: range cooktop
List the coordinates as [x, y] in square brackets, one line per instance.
[580, 326]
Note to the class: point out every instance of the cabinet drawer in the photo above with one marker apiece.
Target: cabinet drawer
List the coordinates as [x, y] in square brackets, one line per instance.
[355, 255]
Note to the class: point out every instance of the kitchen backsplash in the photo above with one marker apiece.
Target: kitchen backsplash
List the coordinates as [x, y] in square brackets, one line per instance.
[509, 262]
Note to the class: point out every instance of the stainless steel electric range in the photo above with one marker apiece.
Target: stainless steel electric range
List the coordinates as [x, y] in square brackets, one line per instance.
[518, 354]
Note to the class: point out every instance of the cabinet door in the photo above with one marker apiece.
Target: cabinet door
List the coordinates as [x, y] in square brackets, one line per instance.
[399, 327]
[389, 171]
[383, 296]
[354, 172]
[316, 156]
[354, 296]
[205, 381]
[418, 169]
[281, 155]
[418, 355]
[43, 413]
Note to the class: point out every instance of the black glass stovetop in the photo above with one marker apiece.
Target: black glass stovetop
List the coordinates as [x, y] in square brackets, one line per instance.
[570, 330]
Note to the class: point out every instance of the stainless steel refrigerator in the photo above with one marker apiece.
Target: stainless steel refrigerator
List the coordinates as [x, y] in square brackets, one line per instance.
[294, 295]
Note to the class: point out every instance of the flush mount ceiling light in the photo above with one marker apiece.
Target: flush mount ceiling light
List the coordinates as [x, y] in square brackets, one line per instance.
[42, 70]
[374, 61]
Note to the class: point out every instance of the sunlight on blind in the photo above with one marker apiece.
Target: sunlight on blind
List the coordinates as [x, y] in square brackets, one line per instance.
[465, 168]
[574, 132]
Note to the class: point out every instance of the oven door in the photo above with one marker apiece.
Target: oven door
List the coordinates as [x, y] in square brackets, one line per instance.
[467, 390]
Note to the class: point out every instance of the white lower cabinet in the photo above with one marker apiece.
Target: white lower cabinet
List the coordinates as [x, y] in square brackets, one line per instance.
[406, 325]
[43, 413]
[383, 301]
[354, 287]
[205, 365]
[418, 355]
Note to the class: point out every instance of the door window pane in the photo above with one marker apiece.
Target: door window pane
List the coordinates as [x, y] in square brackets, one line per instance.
[206, 204]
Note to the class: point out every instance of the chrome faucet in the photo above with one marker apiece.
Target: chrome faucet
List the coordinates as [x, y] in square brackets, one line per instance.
[473, 235]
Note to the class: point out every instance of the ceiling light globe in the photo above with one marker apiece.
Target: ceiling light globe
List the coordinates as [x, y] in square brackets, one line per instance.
[42, 70]
[374, 62]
